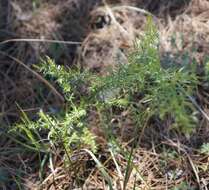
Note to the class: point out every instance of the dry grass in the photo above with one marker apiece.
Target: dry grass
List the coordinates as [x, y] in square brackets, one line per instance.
[159, 162]
[190, 30]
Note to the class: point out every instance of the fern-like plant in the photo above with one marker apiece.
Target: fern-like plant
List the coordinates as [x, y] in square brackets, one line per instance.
[163, 92]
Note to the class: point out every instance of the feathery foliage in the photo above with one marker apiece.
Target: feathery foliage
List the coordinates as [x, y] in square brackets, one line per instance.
[163, 93]
[142, 86]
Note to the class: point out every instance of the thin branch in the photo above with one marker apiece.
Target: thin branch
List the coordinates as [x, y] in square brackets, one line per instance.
[40, 40]
[179, 147]
[35, 74]
[198, 107]
[133, 9]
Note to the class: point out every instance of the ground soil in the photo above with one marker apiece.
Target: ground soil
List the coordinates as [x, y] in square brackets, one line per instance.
[76, 20]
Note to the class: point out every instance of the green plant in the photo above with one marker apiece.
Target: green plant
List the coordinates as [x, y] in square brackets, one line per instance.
[143, 87]
[66, 130]
[205, 149]
[165, 91]
[36, 3]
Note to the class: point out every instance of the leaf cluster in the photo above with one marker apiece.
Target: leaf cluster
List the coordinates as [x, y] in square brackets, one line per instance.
[143, 86]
